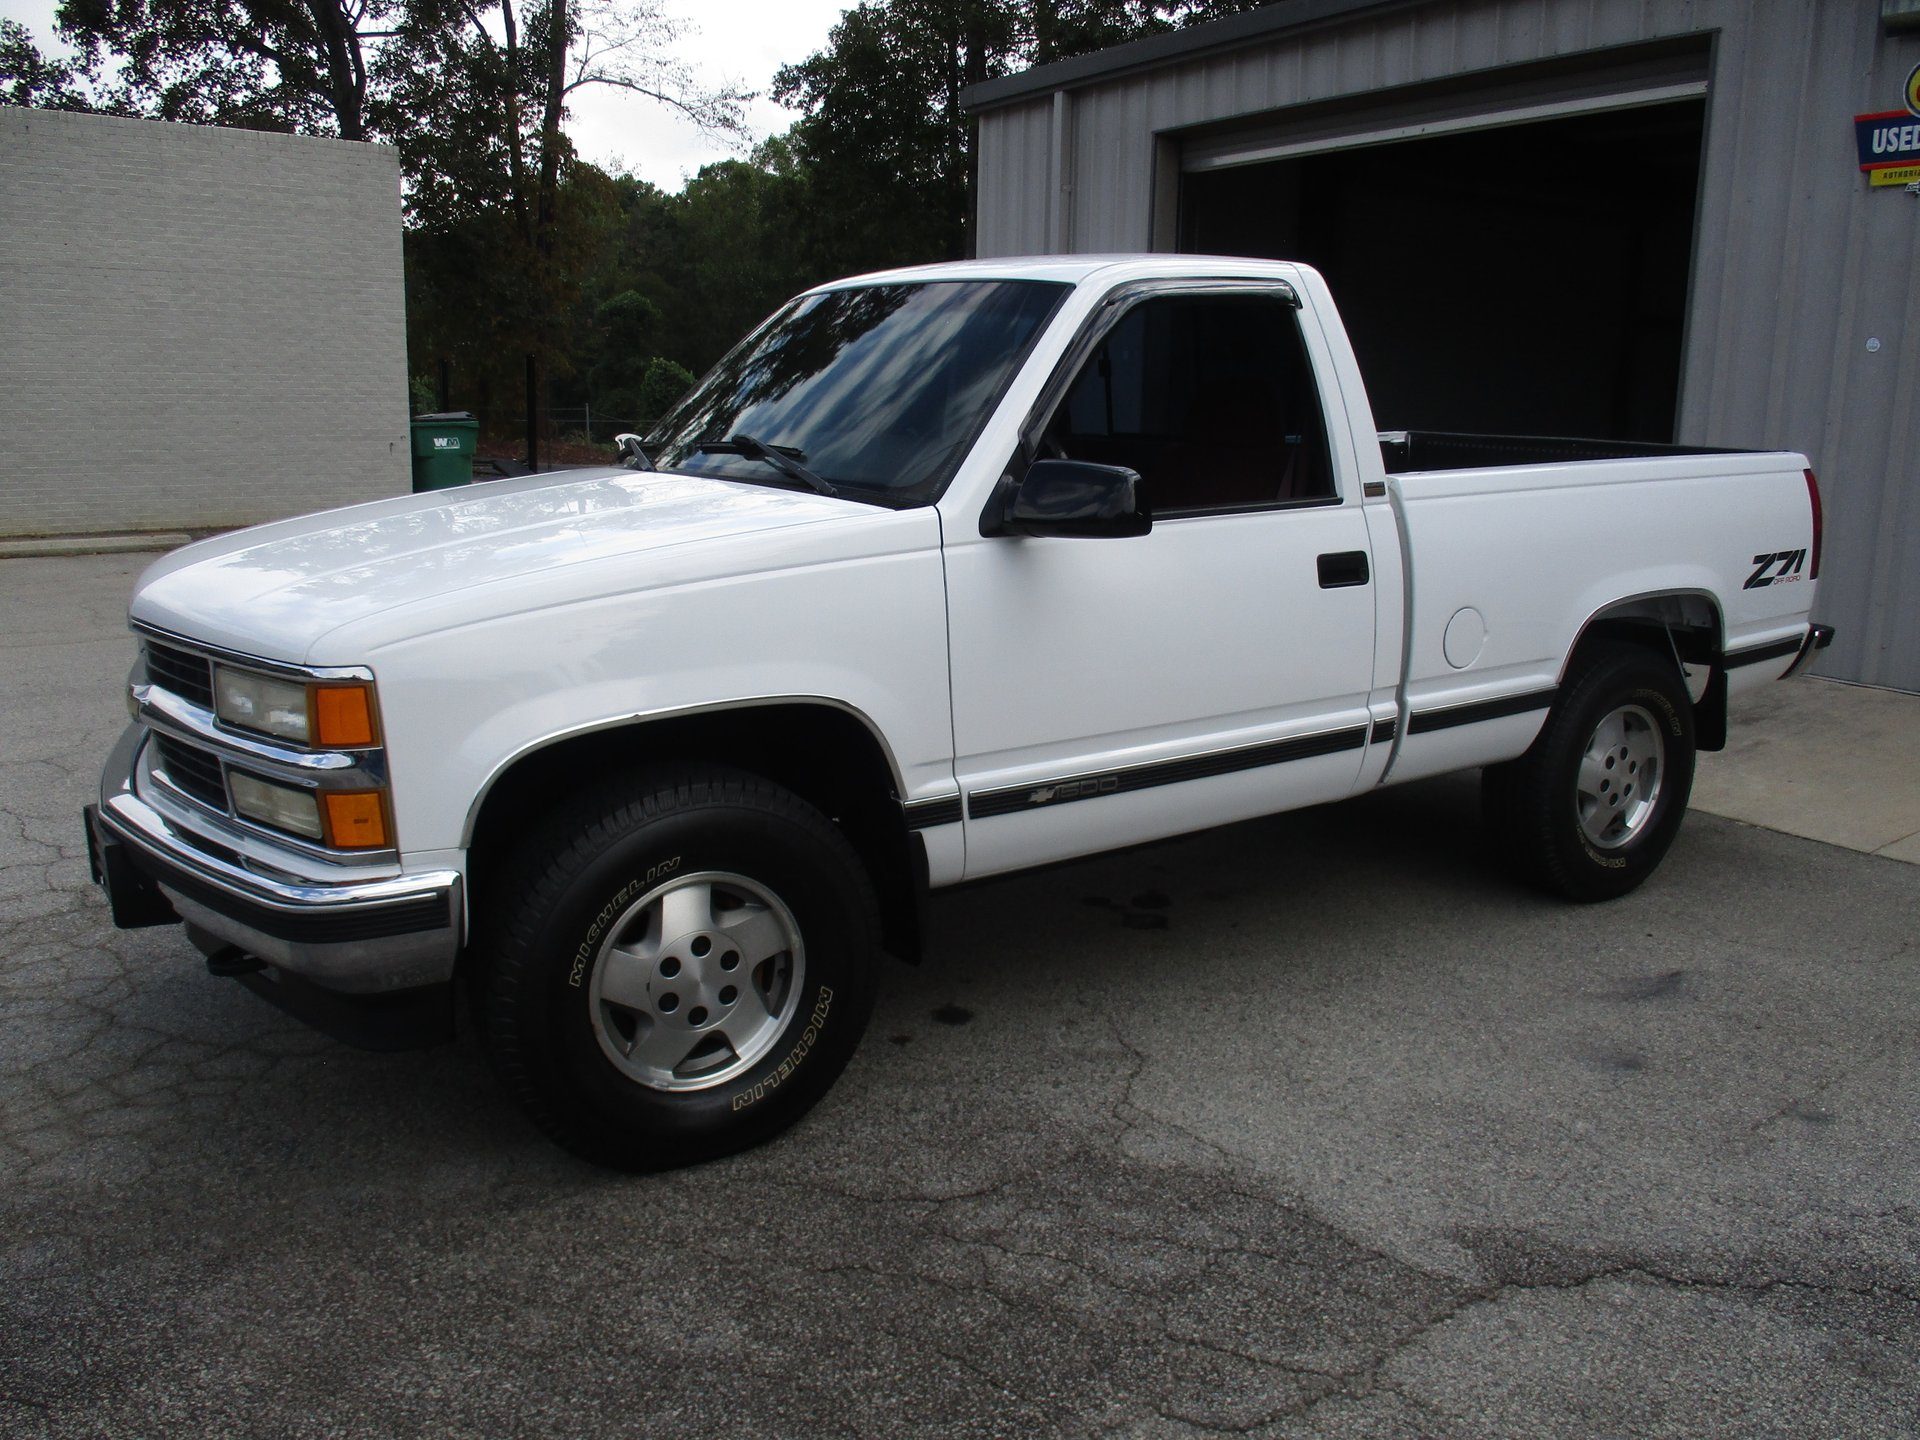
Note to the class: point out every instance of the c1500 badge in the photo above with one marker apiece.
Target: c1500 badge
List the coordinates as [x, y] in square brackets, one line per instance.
[1074, 789]
[1783, 567]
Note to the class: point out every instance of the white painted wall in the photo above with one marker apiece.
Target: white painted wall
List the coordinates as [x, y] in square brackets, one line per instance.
[199, 328]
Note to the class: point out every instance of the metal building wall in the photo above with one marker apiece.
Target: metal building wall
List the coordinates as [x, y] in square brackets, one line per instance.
[1018, 166]
[1797, 264]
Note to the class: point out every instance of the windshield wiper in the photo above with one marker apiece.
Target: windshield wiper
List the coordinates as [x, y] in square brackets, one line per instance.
[754, 449]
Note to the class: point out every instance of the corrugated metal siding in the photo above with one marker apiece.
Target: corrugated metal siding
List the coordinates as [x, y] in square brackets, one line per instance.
[1016, 182]
[1797, 262]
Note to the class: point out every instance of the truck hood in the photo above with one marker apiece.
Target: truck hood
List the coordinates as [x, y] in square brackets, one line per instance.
[276, 590]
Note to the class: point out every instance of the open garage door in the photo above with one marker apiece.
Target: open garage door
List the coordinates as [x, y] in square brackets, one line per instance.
[1512, 258]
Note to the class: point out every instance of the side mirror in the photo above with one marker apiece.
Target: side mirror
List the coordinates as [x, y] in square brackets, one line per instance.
[1075, 497]
[631, 455]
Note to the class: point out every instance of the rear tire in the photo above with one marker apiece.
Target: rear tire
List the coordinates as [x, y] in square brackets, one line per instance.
[676, 967]
[1591, 808]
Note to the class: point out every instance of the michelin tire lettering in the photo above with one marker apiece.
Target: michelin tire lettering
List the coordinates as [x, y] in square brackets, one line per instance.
[583, 956]
[815, 1023]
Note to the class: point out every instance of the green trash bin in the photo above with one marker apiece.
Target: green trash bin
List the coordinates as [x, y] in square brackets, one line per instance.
[443, 450]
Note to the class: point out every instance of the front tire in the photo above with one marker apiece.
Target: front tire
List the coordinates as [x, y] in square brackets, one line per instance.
[1591, 808]
[676, 967]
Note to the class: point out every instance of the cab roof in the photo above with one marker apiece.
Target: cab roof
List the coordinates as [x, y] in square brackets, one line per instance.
[1073, 269]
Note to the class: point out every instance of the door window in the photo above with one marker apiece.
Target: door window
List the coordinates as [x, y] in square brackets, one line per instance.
[1211, 398]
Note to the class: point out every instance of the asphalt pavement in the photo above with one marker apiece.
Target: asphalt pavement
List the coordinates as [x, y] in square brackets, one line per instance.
[1315, 1126]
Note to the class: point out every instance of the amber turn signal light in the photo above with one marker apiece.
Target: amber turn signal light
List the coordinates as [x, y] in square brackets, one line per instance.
[343, 715]
[356, 819]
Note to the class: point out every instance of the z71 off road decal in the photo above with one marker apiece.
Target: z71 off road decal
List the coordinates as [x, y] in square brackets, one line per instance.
[1780, 568]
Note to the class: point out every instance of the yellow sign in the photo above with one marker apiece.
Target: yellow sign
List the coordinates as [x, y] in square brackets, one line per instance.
[1913, 91]
[1895, 175]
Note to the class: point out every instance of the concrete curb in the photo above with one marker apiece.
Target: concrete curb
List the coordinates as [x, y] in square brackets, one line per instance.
[34, 546]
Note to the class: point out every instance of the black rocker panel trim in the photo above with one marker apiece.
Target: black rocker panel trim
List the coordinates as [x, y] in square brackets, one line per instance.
[1383, 730]
[984, 804]
[927, 814]
[1776, 650]
[1497, 709]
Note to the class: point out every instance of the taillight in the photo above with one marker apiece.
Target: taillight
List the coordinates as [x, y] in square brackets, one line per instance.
[1819, 524]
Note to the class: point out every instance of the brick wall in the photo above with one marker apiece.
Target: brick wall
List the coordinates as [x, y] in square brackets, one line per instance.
[199, 327]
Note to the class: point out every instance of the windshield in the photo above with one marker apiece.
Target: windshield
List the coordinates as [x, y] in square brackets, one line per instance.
[877, 389]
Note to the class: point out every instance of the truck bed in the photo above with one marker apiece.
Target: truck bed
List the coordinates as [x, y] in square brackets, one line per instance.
[1506, 570]
[1407, 451]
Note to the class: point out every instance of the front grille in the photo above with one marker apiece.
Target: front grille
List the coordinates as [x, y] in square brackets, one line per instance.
[187, 675]
[193, 770]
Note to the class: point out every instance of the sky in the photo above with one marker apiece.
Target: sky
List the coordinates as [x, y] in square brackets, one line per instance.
[740, 41]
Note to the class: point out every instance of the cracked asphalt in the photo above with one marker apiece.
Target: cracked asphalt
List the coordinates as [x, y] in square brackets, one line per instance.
[1310, 1127]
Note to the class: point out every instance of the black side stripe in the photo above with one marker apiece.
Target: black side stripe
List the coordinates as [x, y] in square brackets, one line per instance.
[926, 814]
[983, 804]
[1775, 650]
[1473, 714]
[1383, 730]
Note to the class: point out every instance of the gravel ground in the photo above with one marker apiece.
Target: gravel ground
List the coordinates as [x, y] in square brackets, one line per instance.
[1313, 1126]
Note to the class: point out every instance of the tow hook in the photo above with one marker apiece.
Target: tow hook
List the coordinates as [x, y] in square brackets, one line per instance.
[234, 961]
[226, 961]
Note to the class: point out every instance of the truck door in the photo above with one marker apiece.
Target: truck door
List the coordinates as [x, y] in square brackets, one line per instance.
[1113, 690]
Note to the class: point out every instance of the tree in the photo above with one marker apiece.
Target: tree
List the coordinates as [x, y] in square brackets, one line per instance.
[486, 94]
[621, 349]
[663, 386]
[679, 278]
[883, 132]
[29, 78]
[479, 300]
[738, 245]
[1062, 29]
[296, 65]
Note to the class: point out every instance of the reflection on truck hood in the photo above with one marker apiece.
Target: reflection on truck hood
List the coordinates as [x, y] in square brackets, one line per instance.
[276, 589]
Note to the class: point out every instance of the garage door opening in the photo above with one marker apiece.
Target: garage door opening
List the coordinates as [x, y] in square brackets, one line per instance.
[1527, 279]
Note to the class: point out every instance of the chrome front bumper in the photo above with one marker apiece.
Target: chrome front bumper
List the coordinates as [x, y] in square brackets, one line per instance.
[362, 936]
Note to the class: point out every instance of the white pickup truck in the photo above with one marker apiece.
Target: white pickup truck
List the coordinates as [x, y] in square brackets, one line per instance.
[941, 573]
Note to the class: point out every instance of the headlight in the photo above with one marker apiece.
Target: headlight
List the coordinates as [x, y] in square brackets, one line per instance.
[338, 716]
[280, 806]
[343, 819]
[260, 702]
